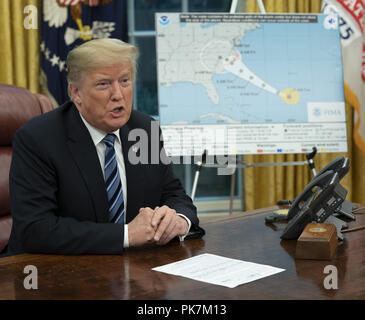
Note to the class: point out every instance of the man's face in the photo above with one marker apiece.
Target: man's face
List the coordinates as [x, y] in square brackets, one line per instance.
[105, 97]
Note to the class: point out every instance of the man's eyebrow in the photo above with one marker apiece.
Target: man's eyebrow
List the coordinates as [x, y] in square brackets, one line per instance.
[125, 74]
[106, 78]
[102, 79]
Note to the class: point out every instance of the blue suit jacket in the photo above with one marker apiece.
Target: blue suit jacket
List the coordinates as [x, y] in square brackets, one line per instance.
[57, 190]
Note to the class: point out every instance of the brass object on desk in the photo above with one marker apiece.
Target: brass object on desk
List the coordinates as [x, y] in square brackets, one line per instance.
[318, 241]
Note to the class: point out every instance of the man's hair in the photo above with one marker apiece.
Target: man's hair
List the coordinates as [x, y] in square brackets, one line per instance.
[99, 53]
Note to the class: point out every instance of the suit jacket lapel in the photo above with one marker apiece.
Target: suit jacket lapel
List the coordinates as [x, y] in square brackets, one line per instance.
[134, 177]
[84, 153]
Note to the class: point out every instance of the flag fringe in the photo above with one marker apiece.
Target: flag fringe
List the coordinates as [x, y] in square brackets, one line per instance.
[352, 99]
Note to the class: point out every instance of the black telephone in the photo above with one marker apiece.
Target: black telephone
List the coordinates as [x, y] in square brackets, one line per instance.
[319, 199]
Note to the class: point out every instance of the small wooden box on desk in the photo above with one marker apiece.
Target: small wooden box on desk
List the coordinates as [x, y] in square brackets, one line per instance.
[318, 241]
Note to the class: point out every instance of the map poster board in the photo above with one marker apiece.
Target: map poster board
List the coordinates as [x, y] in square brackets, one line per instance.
[250, 83]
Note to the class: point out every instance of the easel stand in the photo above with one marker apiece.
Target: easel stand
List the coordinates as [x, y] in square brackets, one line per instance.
[231, 167]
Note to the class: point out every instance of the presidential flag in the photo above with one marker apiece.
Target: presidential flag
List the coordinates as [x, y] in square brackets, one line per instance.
[69, 23]
[351, 15]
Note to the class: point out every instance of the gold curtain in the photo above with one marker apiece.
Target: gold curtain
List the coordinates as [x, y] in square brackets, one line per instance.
[265, 185]
[19, 50]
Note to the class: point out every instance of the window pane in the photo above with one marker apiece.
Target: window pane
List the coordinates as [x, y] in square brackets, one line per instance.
[146, 83]
[144, 14]
[210, 5]
[212, 185]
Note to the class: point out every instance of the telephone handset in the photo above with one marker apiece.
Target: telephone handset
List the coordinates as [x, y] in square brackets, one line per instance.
[320, 198]
[340, 165]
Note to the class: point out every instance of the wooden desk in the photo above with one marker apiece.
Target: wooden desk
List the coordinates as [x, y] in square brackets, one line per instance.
[241, 236]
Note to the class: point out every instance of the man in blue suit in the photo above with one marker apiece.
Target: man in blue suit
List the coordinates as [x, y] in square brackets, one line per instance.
[73, 186]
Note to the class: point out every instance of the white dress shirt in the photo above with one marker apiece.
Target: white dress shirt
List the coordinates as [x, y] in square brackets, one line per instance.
[97, 136]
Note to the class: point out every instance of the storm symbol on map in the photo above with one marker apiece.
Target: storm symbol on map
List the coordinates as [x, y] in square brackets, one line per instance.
[219, 56]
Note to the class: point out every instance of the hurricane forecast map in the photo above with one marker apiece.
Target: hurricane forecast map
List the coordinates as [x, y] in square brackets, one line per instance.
[250, 83]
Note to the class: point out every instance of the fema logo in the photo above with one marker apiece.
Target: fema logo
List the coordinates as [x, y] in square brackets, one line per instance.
[164, 20]
[317, 112]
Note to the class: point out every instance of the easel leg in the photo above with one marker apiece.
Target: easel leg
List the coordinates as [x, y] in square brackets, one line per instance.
[196, 179]
[233, 183]
[197, 173]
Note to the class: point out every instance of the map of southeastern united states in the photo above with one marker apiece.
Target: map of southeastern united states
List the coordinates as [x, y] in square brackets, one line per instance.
[203, 48]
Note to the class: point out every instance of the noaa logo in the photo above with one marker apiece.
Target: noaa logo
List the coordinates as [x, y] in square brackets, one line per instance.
[164, 20]
[331, 21]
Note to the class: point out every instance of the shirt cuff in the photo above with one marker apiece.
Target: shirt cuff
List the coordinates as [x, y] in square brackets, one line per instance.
[126, 239]
[189, 225]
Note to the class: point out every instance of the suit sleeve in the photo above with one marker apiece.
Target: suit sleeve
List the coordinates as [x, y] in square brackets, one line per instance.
[38, 225]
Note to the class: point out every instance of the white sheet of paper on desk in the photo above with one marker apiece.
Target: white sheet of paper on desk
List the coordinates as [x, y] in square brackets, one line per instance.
[219, 270]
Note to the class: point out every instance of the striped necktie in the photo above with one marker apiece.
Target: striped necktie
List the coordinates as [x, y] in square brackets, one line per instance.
[113, 182]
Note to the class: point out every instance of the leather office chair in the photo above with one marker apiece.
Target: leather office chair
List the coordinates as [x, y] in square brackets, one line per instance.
[17, 105]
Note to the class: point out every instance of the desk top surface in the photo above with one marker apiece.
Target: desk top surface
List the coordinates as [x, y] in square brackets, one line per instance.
[241, 236]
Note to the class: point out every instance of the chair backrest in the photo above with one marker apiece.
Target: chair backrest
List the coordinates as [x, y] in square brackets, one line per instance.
[17, 105]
